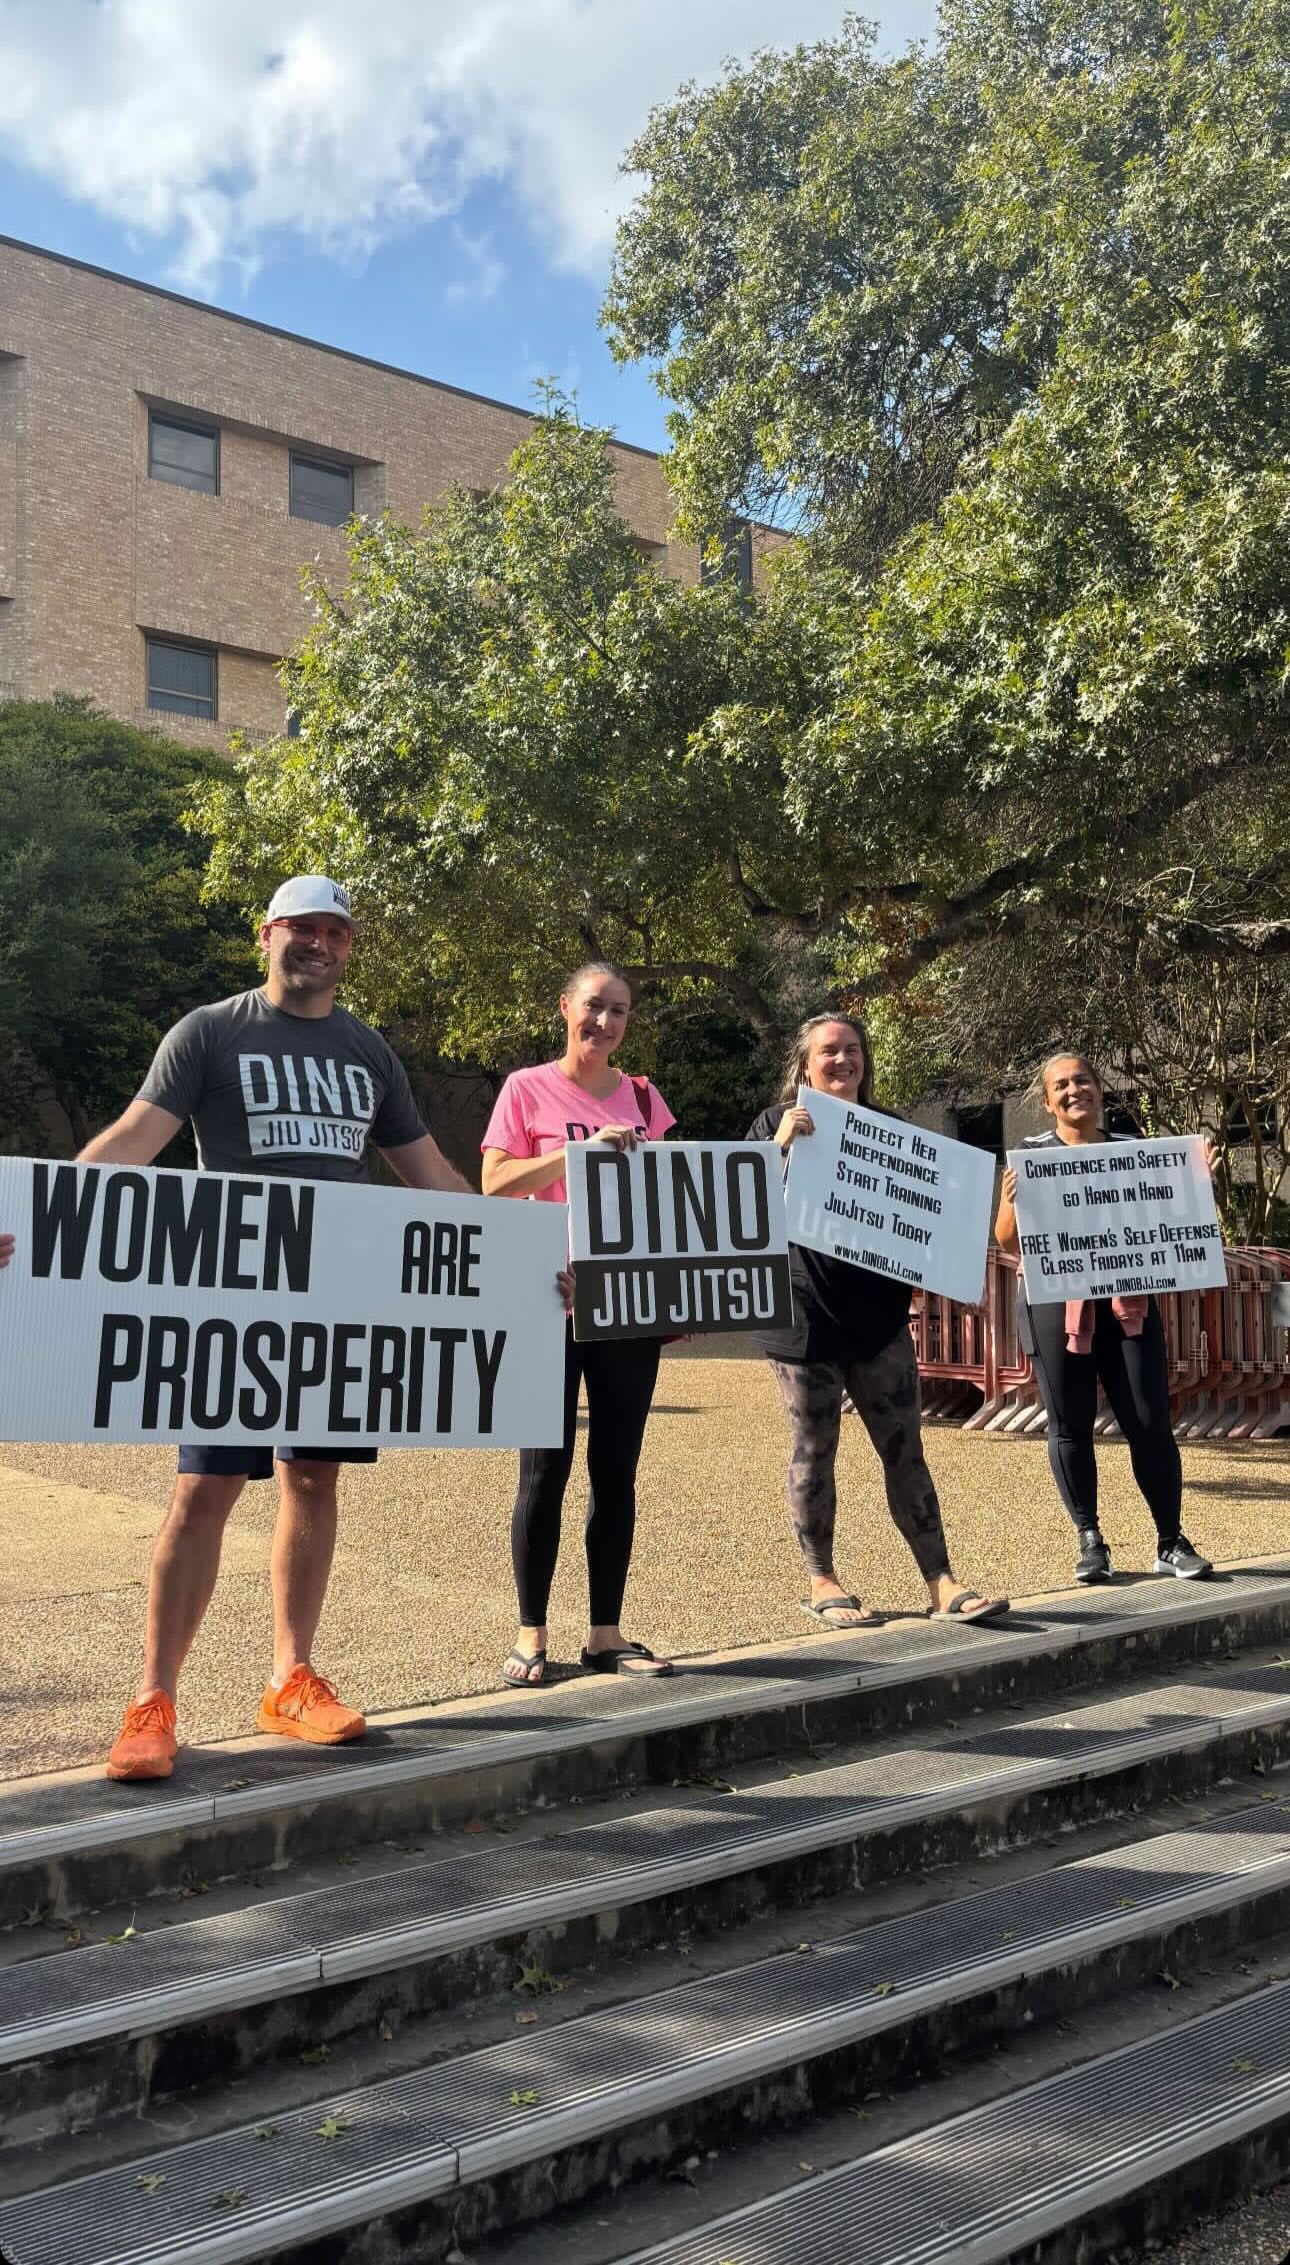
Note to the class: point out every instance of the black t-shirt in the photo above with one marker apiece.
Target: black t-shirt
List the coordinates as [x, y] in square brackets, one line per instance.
[841, 1312]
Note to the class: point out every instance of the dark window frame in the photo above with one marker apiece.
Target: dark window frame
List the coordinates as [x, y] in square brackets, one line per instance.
[159, 707]
[169, 477]
[736, 559]
[301, 457]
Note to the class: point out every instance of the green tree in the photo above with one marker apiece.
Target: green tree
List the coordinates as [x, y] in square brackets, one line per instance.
[512, 745]
[1001, 327]
[104, 938]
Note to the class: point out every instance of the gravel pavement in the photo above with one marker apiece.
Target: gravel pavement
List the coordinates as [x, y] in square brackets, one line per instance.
[421, 1605]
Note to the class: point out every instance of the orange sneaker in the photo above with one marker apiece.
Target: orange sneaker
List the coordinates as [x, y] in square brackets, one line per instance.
[307, 1707]
[147, 1745]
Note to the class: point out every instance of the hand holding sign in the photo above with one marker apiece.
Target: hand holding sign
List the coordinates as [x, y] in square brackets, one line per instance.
[689, 1237]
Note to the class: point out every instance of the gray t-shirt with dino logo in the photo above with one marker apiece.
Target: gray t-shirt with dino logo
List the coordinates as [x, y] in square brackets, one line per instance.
[269, 1091]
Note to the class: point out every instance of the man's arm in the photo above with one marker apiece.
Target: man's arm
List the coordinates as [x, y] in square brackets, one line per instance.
[138, 1135]
[422, 1164]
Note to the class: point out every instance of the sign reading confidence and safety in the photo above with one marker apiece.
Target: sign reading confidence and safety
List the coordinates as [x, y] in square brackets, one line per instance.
[676, 1238]
[889, 1196]
[1113, 1219]
[146, 1306]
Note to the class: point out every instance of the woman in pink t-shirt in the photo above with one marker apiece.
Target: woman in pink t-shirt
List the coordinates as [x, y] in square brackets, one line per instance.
[538, 1111]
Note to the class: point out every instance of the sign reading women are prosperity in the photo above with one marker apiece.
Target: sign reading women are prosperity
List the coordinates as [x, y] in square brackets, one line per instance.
[1117, 1218]
[146, 1306]
[677, 1238]
[890, 1196]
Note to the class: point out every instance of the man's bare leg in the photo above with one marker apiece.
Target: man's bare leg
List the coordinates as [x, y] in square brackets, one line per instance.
[298, 1702]
[181, 1580]
[304, 1543]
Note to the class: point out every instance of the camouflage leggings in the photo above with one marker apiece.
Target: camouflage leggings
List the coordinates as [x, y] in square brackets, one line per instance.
[885, 1393]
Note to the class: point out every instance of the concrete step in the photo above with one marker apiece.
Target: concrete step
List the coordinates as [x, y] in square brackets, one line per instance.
[96, 2031]
[1078, 2167]
[495, 2139]
[76, 1843]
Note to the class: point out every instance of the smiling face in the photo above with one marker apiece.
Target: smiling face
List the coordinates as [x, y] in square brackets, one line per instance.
[306, 956]
[595, 1016]
[1072, 1094]
[835, 1060]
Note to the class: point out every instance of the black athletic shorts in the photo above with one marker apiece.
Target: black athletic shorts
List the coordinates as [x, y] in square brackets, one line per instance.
[257, 1462]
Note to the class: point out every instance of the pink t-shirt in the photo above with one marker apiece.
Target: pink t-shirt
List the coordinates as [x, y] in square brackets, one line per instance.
[540, 1109]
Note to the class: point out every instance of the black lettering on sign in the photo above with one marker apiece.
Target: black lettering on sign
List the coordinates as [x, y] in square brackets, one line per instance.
[488, 1360]
[344, 1372]
[259, 1406]
[306, 1365]
[213, 1378]
[699, 1202]
[385, 1378]
[185, 1231]
[62, 1213]
[126, 1193]
[288, 1235]
[416, 1258]
[447, 1340]
[746, 1173]
[166, 1365]
[120, 1359]
[602, 1162]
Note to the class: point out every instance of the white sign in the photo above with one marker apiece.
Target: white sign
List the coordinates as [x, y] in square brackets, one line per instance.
[1117, 1219]
[887, 1195]
[145, 1305]
[674, 1238]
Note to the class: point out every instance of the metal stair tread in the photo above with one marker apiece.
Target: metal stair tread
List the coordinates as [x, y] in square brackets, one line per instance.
[53, 1818]
[417, 2134]
[364, 1927]
[988, 2184]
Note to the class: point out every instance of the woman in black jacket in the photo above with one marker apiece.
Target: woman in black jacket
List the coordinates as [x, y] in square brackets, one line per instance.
[850, 1333]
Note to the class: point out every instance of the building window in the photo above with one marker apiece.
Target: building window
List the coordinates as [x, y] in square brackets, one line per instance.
[182, 679]
[321, 491]
[734, 559]
[293, 723]
[186, 455]
[1245, 1115]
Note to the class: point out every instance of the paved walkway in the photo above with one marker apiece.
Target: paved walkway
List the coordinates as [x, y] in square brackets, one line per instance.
[421, 1605]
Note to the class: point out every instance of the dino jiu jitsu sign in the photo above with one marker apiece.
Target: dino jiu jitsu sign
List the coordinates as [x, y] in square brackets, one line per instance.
[677, 1238]
[144, 1305]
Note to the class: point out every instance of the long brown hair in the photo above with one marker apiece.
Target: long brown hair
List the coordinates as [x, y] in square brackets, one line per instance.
[795, 1059]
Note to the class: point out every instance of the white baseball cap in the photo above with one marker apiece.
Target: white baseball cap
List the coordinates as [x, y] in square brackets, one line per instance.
[310, 893]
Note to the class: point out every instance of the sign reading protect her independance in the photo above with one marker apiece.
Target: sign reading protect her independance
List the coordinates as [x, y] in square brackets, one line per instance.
[155, 1306]
[1117, 1219]
[889, 1196]
[677, 1238]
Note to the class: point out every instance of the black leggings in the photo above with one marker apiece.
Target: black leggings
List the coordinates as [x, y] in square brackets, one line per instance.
[1135, 1378]
[620, 1381]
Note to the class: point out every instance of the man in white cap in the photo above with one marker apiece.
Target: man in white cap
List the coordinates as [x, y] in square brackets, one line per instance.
[276, 1080]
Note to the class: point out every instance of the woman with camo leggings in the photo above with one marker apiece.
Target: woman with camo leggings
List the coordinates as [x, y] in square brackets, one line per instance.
[850, 1332]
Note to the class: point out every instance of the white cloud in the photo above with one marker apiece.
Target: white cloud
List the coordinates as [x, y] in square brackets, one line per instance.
[220, 125]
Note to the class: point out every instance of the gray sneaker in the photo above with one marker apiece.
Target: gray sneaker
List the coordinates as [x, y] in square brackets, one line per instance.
[1178, 1557]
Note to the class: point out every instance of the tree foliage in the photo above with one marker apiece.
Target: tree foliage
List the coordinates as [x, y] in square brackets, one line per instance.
[104, 938]
[998, 330]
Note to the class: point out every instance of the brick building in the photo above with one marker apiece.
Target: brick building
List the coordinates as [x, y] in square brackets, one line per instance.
[166, 469]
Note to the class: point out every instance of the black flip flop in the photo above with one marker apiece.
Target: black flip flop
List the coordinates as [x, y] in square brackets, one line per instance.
[645, 1662]
[997, 1609]
[525, 1682]
[827, 1605]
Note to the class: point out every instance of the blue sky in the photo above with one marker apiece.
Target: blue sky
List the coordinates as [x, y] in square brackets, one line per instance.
[431, 182]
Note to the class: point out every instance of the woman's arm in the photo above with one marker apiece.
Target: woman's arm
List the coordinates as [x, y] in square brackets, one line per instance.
[1005, 1226]
[504, 1174]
